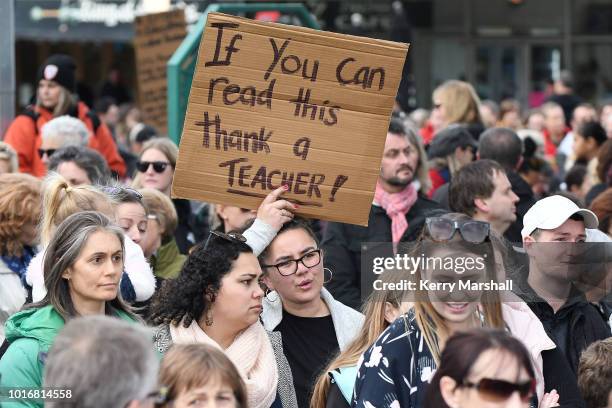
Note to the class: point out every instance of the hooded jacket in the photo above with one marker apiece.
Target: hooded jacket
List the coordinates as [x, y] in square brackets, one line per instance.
[24, 136]
[168, 261]
[31, 334]
[136, 268]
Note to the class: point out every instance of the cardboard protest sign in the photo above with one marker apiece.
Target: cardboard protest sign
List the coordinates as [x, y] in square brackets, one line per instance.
[157, 36]
[272, 104]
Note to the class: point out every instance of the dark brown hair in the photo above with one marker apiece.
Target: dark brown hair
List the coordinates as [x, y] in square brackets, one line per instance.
[461, 353]
[474, 180]
[602, 207]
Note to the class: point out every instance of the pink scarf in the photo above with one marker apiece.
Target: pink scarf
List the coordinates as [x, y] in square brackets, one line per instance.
[397, 206]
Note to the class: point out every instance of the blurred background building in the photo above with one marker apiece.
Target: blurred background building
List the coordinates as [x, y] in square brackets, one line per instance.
[506, 48]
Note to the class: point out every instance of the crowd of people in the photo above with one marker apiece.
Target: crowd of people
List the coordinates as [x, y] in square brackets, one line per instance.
[114, 294]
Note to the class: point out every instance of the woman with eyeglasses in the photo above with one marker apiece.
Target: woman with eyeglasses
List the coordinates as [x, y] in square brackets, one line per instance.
[398, 367]
[310, 323]
[201, 376]
[217, 300]
[156, 164]
[60, 200]
[482, 369]
[83, 264]
[55, 97]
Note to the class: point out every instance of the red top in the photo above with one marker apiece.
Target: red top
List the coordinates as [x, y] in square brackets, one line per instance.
[24, 138]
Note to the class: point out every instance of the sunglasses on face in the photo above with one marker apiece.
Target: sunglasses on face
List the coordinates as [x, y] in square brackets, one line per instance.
[442, 230]
[499, 390]
[48, 152]
[158, 166]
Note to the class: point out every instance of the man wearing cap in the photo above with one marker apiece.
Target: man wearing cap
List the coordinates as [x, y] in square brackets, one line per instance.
[397, 214]
[54, 98]
[553, 230]
[452, 148]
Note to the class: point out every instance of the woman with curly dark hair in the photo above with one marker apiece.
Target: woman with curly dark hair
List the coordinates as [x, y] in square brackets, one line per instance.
[217, 300]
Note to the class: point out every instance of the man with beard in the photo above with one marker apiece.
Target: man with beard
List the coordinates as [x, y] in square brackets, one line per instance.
[397, 214]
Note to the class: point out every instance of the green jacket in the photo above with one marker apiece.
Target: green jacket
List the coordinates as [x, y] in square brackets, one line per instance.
[30, 334]
[168, 261]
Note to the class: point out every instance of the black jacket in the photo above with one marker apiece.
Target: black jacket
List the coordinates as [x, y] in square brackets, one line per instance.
[573, 327]
[526, 200]
[183, 229]
[342, 245]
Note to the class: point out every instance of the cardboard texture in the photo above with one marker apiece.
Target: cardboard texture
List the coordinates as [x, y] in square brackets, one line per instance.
[156, 38]
[272, 104]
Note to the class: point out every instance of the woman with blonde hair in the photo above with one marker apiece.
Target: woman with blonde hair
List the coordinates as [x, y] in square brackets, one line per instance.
[159, 244]
[60, 200]
[454, 102]
[334, 388]
[55, 96]
[196, 373]
[410, 348]
[156, 164]
[20, 199]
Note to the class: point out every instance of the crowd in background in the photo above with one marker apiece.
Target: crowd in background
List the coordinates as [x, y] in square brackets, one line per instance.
[127, 297]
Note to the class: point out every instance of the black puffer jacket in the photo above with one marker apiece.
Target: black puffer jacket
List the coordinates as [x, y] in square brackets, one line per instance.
[342, 244]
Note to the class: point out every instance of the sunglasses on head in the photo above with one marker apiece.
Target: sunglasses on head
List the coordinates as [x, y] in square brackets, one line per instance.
[230, 237]
[48, 152]
[500, 390]
[442, 230]
[113, 190]
[158, 166]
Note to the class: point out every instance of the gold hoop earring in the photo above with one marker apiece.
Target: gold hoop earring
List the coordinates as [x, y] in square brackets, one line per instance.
[208, 320]
[331, 275]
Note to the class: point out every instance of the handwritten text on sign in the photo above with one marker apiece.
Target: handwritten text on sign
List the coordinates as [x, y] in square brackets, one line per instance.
[272, 104]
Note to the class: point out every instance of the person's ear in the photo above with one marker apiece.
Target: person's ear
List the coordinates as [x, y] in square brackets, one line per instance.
[267, 281]
[449, 391]
[220, 210]
[67, 274]
[481, 205]
[391, 312]
[520, 163]
[528, 241]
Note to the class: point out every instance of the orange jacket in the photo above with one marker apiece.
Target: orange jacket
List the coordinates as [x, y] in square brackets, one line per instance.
[24, 135]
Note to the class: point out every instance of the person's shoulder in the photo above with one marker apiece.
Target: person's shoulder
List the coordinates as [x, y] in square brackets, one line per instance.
[425, 203]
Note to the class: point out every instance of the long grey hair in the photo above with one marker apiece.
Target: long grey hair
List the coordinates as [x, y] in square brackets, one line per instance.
[63, 251]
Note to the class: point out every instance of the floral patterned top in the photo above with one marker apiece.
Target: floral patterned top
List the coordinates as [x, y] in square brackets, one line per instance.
[396, 369]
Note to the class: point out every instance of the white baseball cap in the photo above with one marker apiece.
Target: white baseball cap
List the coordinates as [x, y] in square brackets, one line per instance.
[550, 212]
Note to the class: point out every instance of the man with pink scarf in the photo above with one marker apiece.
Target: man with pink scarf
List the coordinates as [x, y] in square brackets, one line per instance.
[397, 214]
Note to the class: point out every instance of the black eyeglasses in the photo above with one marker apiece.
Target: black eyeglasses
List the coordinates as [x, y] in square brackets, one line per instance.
[48, 152]
[230, 237]
[442, 230]
[499, 390]
[290, 266]
[158, 166]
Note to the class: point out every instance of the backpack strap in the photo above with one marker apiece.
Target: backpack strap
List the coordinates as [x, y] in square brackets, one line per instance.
[4, 347]
[32, 114]
[95, 120]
